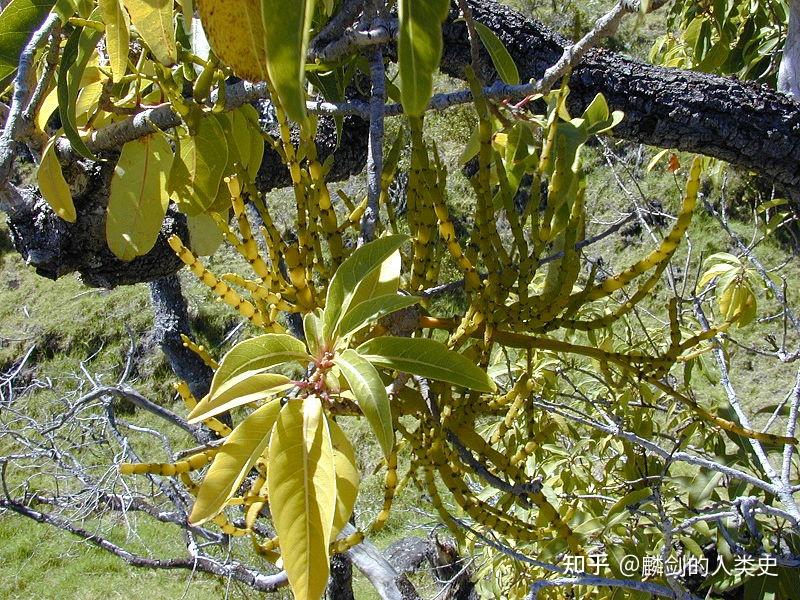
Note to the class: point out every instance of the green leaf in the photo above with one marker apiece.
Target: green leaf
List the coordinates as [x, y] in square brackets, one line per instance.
[419, 50]
[312, 327]
[347, 477]
[371, 310]
[53, 186]
[204, 234]
[287, 26]
[350, 274]
[383, 281]
[117, 37]
[77, 51]
[259, 354]
[500, 57]
[153, 20]
[197, 174]
[302, 493]
[247, 387]
[138, 200]
[637, 497]
[426, 358]
[18, 22]
[370, 394]
[244, 51]
[233, 462]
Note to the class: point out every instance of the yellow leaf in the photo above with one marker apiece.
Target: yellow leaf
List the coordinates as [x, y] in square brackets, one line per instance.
[302, 493]
[233, 462]
[240, 390]
[196, 177]
[153, 20]
[87, 102]
[236, 34]
[117, 37]
[53, 186]
[257, 355]
[347, 477]
[139, 198]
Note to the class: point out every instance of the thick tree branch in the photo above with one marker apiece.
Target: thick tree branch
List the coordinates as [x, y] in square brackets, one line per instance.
[747, 125]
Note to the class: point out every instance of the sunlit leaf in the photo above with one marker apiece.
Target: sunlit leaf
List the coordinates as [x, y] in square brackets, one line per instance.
[370, 394]
[350, 274]
[233, 462]
[426, 358]
[302, 492]
[258, 354]
[347, 477]
[238, 391]
[138, 199]
[369, 311]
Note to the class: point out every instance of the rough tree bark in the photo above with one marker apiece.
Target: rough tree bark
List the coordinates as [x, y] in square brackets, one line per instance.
[56, 248]
[750, 126]
[747, 125]
[789, 72]
[171, 319]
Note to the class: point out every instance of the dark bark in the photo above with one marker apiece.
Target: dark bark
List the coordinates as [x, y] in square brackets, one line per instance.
[171, 319]
[340, 584]
[749, 126]
[56, 248]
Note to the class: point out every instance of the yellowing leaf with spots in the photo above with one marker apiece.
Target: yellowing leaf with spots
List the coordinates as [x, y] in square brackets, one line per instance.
[53, 186]
[236, 34]
[153, 20]
[302, 493]
[139, 198]
[233, 462]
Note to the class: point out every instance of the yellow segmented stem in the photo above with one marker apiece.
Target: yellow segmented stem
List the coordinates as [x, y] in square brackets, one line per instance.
[249, 247]
[260, 292]
[227, 527]
[268, 549]
[213, 423]
[344, 544]
[197, 461]
[389, 489]
[769, 438]
[221, 289]
[200, 351]
[667, 247]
